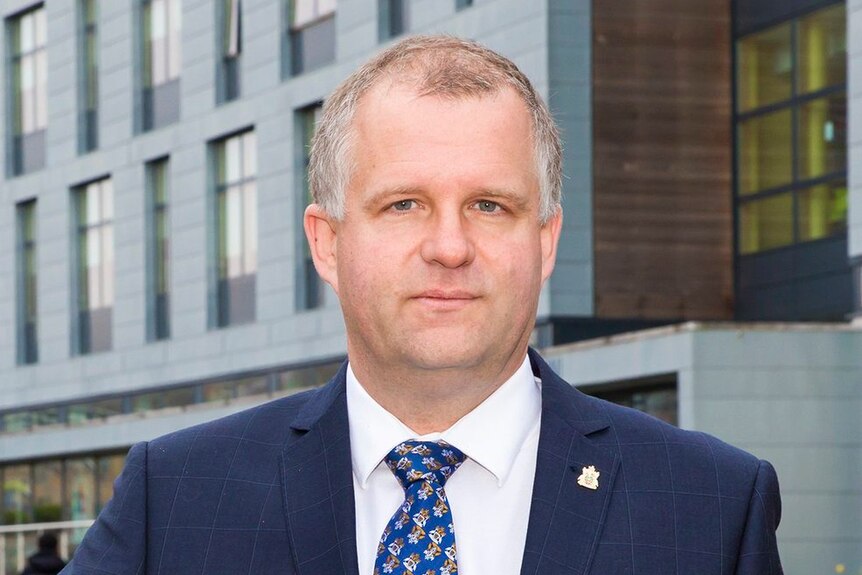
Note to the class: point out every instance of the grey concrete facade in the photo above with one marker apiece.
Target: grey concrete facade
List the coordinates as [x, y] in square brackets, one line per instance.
[790, 394]
[280, 335]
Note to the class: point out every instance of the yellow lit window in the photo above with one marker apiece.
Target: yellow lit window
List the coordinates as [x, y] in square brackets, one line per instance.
[822, 51]
[765, 152]
[766, 223]
[764, 68]
[822, 211]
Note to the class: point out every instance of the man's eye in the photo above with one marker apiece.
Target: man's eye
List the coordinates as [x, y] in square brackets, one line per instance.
[487, 206]
[403, 205]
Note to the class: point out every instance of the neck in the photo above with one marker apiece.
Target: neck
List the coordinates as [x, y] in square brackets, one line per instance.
[430, 401]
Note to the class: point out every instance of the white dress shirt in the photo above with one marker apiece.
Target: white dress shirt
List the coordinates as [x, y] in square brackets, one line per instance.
[489, 494]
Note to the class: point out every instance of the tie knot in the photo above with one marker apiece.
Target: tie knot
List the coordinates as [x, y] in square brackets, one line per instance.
[414, 461]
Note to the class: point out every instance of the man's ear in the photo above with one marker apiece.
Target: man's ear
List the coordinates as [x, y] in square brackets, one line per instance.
[320, 229]
[550, 237]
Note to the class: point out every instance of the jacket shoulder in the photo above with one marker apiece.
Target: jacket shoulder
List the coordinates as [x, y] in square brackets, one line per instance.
[656, 454]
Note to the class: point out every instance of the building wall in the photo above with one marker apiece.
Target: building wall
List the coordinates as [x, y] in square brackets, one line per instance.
[663, 159]
[570, 99]
[280, 335]
[790, 394]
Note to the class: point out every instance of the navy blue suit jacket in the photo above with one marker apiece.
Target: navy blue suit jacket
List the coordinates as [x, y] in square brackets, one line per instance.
[270, 490]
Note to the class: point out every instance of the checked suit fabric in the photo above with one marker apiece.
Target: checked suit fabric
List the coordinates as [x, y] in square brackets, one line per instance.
[420, 537]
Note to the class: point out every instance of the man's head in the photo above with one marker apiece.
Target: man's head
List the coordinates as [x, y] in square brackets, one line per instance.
[440, 66]
[47, 542]
[435, 172]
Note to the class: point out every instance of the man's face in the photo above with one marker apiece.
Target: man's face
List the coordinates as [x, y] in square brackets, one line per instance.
[440, 258]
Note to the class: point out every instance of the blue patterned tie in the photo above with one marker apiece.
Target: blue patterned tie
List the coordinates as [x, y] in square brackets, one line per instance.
[420, 538]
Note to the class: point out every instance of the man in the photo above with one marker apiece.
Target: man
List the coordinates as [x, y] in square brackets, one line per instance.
[46, 561]
[436, 176]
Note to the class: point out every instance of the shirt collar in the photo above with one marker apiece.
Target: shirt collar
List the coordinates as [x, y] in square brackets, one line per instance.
[491, 435]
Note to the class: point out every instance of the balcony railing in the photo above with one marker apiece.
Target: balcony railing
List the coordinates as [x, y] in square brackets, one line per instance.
[17, 542]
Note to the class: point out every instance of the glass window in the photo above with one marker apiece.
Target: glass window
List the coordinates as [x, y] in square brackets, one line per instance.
[175, 397]
[765, 152]
[765, 68]
[823, 136]
[309, 286]
[766, 223]
[94, 208]
[822, 51]
[306, 377]
[27, 284]
[217, 391]
[81, 498]
[257, 385]
[89, 70]
[792, 131]
[311, 34]
[80, 413]
[16, 421]
[659, 401]
[162, 41]
[30, 71]
[110, 467]
[307, 11]
[17, 494]
[28, 93]
[158, 250]
[46, 417]
[232, 38]
[394, 18]
[236, 234]
[822, 211]
[47, 491]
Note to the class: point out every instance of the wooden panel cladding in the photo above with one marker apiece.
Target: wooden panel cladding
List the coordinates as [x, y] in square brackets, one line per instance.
[662, 160]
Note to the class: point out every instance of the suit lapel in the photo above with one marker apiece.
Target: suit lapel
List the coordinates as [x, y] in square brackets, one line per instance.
[566, 519]
[318, 485]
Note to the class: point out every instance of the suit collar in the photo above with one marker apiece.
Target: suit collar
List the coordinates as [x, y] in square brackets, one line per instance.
[566, 519]
[317, 483]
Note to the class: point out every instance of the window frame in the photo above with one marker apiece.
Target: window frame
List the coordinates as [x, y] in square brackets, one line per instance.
[158, 267]
[26, 144]
[294, 62]
[309, 288]
[794, 104]
[82, 231]
[220, 276]
[27, 282]
[229, 47]
[88, 76]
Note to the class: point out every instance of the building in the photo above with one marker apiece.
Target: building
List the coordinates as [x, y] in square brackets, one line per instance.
[153, 270]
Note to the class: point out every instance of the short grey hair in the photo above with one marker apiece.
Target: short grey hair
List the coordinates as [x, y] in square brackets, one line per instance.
[435, 66]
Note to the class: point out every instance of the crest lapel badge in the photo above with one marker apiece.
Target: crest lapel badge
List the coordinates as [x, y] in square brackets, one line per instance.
[589, 478]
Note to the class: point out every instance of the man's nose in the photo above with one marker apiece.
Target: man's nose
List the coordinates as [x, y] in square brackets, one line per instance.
[447, 241]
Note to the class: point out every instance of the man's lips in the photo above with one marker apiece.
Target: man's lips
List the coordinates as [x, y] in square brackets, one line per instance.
[445, 299]
[446, 294]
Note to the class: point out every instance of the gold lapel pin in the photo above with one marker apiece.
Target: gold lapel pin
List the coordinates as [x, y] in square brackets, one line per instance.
[589, 477]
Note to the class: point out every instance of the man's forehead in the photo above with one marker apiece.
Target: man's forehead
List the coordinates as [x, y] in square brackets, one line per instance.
[380, 97]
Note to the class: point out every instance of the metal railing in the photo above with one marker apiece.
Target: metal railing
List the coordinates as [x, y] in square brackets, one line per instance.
[17, 542]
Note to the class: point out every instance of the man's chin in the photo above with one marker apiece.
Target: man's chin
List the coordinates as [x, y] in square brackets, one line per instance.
[446, 355]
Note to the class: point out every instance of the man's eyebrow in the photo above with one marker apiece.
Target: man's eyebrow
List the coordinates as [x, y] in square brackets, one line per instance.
[382, 195]
[520, 201]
